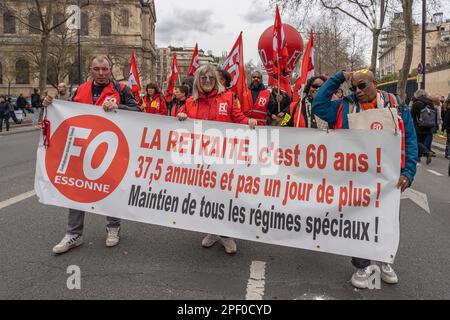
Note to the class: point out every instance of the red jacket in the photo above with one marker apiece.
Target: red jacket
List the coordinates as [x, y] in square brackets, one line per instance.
[84, 94]
[259, 110]
[214, 107]
[156, 106]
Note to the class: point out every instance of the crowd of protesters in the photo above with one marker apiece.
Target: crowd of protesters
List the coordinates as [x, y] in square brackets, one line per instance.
[323, 104]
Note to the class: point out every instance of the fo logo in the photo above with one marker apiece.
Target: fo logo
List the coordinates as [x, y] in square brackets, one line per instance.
[376, 126]
[88, 158]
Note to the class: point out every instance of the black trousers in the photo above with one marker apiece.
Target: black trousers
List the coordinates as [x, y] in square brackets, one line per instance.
[448, 144]
[4, 116]
[421, 140]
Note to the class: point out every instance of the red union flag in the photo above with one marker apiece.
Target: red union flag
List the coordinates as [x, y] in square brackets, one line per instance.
[280, 56]
[174, 72]
[234, 64]
[194, 62]
[133, 79]
[307, 67]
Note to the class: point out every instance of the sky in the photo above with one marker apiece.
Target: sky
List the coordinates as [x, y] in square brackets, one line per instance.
[214, 24]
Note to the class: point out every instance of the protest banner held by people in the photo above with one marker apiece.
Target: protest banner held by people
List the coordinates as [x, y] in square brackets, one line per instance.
[365, 97]
[104, 92]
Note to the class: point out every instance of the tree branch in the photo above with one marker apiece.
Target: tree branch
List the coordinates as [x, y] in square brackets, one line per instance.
[346, 13]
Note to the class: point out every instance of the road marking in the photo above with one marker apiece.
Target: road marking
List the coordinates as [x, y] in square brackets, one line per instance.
[314, 297]
[418, 198]
[17, 199]
[257, 281]
[435, 173]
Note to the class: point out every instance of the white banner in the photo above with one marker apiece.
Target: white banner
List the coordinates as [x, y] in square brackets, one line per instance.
[329, 192]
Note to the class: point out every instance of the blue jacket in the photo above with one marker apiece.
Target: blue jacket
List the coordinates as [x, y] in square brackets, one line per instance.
[327, 110]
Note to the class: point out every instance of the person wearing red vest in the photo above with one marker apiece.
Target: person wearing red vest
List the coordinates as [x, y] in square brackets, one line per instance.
[179, 100]
[154, 102]
[366, 96]
[211, 102]
[262, 103]
[103, 92]
[300, 113]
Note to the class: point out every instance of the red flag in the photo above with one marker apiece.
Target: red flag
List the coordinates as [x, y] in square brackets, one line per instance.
[234, 64]
[133, 79]
[194, 62]
[280, 56]
[174, 72]
[307, 67]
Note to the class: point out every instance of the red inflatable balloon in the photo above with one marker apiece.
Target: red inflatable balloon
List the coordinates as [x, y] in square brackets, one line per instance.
[294, 42]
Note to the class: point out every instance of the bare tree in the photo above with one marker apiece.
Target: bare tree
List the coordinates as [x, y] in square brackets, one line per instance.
[371, 14]
[52, 17]
[440, 54]
[337, 47]
[407, 6]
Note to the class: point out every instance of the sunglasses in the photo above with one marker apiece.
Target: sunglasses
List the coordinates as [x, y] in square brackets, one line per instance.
[205, 79]
[360, 86]
[315, 86]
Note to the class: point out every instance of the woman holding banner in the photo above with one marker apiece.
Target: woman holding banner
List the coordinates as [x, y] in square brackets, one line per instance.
[210, 101]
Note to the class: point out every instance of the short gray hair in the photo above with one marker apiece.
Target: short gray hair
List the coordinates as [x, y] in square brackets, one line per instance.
[421, 93]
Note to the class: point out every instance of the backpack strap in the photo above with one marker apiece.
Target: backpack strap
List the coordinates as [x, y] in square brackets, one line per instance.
[120, 89]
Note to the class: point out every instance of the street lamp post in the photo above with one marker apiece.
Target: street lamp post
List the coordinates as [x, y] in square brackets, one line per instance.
[424, 42]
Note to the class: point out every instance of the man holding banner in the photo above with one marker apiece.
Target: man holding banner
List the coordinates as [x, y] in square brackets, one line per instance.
[337, 113]
[110, 95]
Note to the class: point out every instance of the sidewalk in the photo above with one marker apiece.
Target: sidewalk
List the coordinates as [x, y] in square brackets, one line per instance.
[24, 127]
[439, 142]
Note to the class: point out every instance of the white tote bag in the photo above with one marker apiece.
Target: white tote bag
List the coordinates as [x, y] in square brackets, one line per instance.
[375, 119]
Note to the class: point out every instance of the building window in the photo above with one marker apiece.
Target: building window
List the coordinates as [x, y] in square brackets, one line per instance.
[105, 27]
[57, 21]
[35, 23]
[84, 24]
[125, 18]
[22, 72]
[9, 23]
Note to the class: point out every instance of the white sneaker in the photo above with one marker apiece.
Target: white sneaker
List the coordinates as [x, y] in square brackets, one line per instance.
[210, 240]
[113, 237]
[229, 245]
[360, 278]
[67, 243]
[388, 274]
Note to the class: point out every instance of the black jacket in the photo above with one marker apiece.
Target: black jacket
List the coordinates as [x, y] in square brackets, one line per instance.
[417, 107]
[446, 120]
[255, 93]
[5, 107]
[36, 100]
[21, 102]
[285, 103]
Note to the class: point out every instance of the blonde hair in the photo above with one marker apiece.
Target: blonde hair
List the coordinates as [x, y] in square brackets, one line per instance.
[200, 73]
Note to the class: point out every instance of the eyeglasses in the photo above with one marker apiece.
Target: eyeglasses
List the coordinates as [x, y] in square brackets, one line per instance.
[315, 86]
[204, 79]
[360, 86]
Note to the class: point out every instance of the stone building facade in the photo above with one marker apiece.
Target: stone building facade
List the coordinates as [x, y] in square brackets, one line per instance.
[108, 27]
